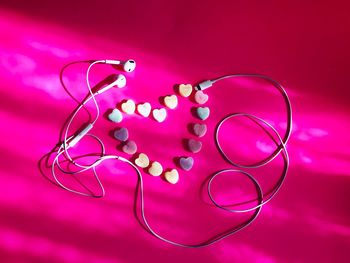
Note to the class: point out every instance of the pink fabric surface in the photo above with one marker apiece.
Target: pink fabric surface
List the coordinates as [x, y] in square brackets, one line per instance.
[305, 46]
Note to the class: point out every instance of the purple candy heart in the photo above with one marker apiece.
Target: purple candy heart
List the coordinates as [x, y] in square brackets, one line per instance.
[130, 147]
[186, 163]
[194, 146]
[199, 129]
[121, 134]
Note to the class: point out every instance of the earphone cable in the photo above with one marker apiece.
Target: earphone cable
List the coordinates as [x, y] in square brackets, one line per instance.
[279, 142]
[281, 147]
[288, 131]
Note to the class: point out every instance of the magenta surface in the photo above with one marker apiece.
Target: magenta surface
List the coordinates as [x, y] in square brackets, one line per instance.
[304, 46]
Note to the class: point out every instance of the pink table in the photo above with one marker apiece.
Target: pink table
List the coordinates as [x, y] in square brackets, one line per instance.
[304, 46]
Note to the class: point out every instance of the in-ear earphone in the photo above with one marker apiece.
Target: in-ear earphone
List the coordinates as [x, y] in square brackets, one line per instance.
[120, 81]
[128, 65]
[117, 80]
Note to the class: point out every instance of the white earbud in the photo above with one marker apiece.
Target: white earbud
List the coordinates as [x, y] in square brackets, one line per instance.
[119, 81]
[128, 65]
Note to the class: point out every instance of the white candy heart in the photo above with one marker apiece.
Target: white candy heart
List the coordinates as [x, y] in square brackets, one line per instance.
[159, 114]
[170, 101]
[144, 109]
[155, 169]
[128, 107]
[172, 176]
[142, 161]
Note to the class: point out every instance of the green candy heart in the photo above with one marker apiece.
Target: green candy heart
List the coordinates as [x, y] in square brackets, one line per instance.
[115, 116]
[203, 113]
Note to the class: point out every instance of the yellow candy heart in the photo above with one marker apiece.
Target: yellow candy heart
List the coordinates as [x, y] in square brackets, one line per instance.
[128, 107]
[185, 90]
[155, 169]
[172, 176]
[170, 101]
[142, 161]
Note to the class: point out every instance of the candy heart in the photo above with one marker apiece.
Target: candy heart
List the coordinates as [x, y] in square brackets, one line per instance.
[144, 109]
[172, 176]
[185, 90]
[128, 107]
[200, 97]
[199, 129]
[142, 161]
[159, 114]
[155, 169]
[121, 134]
[203, 113]
[115, 116]
[194, 146]
[170, 101]
[186, 163]
[130, 147]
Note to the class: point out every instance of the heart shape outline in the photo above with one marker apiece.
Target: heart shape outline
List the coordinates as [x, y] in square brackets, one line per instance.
[160, 115]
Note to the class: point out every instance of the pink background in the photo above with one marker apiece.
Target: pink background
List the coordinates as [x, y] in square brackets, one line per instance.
[303, 45]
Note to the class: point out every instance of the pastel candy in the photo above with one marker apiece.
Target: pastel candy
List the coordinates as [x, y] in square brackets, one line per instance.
[172, 176]
[194, 145]
[186, 163]
[203, 113]
[144, 109]
[115, 116]
[121, 134]
[129, 147]
[199, 129]
[142, 161]
[128, 107]
[159, 114]
[185, 90]
[171, 101]
[200, 97]
[155, 169]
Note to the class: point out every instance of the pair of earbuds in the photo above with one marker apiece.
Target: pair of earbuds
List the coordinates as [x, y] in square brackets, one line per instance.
[129, 65]
[118, 80]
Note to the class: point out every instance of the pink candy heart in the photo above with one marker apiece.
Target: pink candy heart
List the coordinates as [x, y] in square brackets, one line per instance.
[200, 97]
[130, 147]
[194, 145]
[199, 129]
